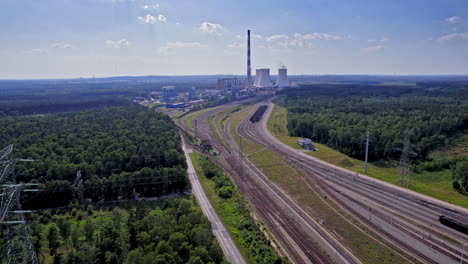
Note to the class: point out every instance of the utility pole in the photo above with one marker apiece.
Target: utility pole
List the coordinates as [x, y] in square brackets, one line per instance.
[78, 183]
[241, 154]
[406, 152]
[367, 151]
[19, 245]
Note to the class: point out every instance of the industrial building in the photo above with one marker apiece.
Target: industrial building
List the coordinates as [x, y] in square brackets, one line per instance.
[228, 84]
[282, 79]
[168, 92]
[193, 93]
[262, 78]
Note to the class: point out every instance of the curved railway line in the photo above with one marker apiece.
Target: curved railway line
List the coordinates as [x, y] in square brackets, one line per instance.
[297, 245]
[402, 217]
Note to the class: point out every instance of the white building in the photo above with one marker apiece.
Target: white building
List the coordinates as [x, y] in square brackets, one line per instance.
[262, 78]
[282, 80]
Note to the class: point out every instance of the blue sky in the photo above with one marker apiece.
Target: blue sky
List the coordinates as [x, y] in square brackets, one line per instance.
[82, 38]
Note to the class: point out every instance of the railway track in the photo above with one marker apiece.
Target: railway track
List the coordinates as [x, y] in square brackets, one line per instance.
[297, 244]
[388, 203]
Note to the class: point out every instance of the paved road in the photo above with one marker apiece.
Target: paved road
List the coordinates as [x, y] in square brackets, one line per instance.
[230, 249]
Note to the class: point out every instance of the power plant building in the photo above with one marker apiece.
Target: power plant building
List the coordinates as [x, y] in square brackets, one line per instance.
[168, 92]
[262, 78]
[228, 84]
[282, 79]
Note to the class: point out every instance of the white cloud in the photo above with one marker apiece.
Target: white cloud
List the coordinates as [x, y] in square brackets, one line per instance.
[62, 45]
[162, 19]
[148, 19]
[318, 35]
[274, 38]
[41, 52]
[183, 44]
[257, 37]
[373, 48]
[235, 45]
[453, 37]
[301, 40]
[170, 46]
[382, 39]
[453, 20]
[210, 27]
[117, 44]
[151, 7]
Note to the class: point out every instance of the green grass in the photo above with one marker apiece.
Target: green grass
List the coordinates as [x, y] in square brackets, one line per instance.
[305, 194]
[188, 119]
[437, 184]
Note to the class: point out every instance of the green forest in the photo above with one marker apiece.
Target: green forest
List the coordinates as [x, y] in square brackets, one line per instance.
[340, 115]
[121, 153]
[164, 232]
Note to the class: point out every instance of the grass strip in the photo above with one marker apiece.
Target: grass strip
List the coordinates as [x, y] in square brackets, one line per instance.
[437, 184]
[234, 212]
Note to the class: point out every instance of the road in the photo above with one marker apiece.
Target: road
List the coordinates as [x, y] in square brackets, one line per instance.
[226, 242]
[403, 217]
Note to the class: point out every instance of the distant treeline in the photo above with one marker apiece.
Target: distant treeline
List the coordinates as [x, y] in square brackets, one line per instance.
[122, 152]
[50, 106]
[31, 97]
[340, 116]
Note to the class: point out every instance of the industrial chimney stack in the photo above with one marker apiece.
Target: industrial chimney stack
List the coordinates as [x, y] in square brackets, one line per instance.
[249, 69]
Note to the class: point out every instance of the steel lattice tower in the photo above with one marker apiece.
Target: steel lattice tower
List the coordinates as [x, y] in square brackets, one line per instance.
[19, 245]
[406, 154]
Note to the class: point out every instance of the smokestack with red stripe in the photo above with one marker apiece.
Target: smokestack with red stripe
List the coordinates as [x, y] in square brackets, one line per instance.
[249, 69]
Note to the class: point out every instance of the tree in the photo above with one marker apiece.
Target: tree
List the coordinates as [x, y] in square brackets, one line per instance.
[460, 175]
[89, 231]
[53, 238]
[75, 236]
[64, 226]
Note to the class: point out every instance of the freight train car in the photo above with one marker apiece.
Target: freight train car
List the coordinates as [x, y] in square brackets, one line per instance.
[454, 224]
[258, 114]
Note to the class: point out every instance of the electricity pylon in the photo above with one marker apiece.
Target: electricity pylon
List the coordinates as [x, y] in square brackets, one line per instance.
[406, 154]
[19, 246]
[367, 151]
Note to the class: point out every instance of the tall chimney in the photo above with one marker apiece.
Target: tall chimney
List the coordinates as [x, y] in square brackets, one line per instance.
[249, 69]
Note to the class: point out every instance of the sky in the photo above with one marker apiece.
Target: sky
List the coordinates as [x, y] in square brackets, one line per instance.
[101, 38]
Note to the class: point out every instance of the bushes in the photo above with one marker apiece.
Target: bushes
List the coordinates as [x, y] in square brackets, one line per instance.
[460, 176]
[170, 231]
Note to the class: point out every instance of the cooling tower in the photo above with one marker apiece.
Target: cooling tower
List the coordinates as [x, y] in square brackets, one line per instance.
[257, 77]
[262, 78]
[282, 80]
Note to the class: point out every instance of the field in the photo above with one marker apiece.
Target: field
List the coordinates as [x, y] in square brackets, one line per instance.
[436, 184]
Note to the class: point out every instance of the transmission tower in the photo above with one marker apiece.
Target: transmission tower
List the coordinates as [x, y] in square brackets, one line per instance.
[79, 186]
[406, 154]
[19, 245]
[367, 151]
